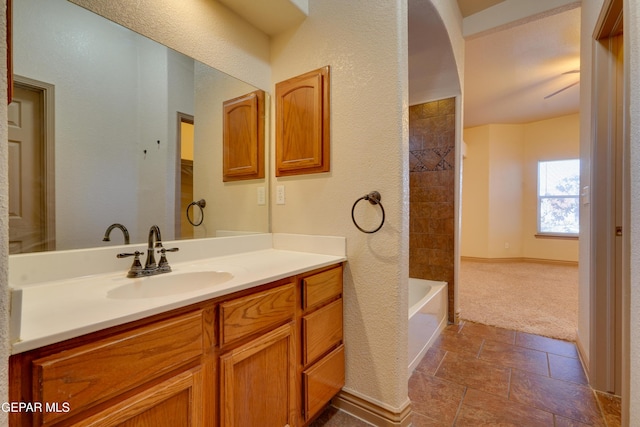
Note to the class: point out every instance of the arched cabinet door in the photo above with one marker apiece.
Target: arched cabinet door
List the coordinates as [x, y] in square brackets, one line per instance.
[302, 124]
[243, 137]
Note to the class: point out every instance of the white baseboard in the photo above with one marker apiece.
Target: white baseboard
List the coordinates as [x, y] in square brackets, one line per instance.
[520, 259]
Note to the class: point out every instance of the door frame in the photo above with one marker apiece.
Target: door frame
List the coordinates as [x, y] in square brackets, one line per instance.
[610, 259]
[181, 118]
[47, 92]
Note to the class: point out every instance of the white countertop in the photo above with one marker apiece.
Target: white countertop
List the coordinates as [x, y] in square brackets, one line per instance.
[57, 310]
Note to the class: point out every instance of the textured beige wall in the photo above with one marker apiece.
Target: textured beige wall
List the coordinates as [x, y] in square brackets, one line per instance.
[366, 46]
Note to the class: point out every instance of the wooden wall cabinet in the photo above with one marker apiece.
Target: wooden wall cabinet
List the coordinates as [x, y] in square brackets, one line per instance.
[243, 137]
[302, 124]
[271, 356]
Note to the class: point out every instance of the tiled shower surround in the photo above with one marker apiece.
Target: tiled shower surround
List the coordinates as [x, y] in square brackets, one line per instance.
[431, 199]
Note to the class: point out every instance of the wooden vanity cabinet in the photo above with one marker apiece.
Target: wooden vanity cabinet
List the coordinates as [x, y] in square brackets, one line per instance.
[269, 356]
[150, 374]
[322, 348]
[257, 362]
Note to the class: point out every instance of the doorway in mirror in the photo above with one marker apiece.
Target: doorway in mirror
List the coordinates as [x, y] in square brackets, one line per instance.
[31, 220]
[184, 230]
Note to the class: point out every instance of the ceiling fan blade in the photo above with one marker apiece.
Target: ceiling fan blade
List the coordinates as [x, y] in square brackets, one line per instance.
[561, 90]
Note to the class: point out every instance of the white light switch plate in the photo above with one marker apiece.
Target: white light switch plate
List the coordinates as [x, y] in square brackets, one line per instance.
[280, 195]
[261, 196]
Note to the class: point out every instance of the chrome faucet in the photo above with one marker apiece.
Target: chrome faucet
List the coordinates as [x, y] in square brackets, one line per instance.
[150, 267]
[121, 227]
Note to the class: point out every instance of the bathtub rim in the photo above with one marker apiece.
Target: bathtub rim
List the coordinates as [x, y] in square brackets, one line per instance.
[436, 286]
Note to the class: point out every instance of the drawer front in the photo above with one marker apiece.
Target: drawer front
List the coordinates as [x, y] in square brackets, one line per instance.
[244, 316]
[323, 381]
[95, 372]
[321, 287]
[321, 330]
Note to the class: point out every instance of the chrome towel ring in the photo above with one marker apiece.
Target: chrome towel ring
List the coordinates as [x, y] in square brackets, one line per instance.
[201, 204]
[373, 198]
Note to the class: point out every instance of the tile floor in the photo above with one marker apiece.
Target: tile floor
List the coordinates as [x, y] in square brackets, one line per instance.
[481, 375]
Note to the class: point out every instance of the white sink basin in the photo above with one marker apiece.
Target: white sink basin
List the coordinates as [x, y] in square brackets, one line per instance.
[169, 284]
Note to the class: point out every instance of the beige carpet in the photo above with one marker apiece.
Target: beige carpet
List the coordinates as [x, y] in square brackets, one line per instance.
[528, 297]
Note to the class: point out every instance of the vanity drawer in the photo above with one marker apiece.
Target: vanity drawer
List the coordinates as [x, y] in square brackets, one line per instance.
[244, 316]
[321, 330]
[321, 287]
[322, 381]
[93, 373]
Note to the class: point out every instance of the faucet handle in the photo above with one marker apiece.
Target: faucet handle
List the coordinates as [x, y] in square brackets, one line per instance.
[135, 254]
[163, 264]
[163, 250]
[136, 269]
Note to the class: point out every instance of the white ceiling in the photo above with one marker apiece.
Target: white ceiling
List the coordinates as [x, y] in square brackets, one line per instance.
[509, 72]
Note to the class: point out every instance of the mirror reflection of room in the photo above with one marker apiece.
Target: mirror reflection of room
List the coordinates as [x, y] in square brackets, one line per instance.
[107, 106]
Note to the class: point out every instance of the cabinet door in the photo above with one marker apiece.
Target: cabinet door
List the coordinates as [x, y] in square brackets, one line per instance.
[176, 402]
[243, 137]
[302, 124]
[257, 382]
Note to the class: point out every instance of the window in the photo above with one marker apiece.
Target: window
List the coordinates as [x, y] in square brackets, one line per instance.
[559, 197]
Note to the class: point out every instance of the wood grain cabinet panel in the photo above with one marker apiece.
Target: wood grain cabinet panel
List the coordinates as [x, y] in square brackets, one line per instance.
[322, 347]
[302, 124]
[321, 330]
[243, 137]
[89, 374]
[323, 381]
[321, 287]
[244, 316]
[257, 381]
[176, 402]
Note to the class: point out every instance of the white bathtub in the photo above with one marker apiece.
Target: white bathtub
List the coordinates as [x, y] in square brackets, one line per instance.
[427, 316]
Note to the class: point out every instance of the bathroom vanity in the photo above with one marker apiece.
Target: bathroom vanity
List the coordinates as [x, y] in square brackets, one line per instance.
[203, 363]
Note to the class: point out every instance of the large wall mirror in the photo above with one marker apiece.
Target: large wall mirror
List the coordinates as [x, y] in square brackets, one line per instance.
[120, 127]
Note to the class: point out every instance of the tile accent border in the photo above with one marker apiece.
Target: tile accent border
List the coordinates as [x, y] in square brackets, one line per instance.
[371, 412]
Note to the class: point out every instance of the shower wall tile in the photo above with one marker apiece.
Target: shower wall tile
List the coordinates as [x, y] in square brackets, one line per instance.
[432, 192]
